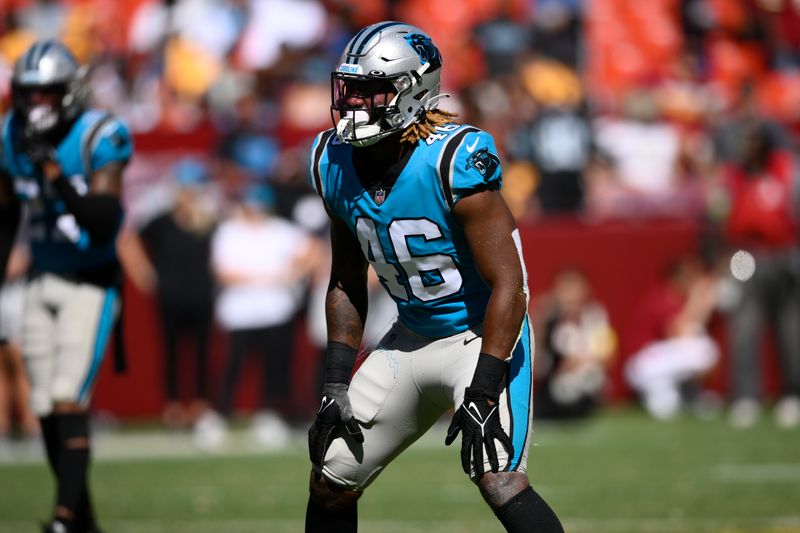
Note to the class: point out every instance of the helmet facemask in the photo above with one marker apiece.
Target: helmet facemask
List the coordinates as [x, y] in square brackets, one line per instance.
[384, 84]
[48, 89]
[40, 107]
[371, 113]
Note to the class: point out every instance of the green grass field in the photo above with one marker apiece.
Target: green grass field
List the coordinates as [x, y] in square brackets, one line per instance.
[620, 472]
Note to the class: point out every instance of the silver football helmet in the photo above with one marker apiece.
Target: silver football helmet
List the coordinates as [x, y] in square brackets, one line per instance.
[395, 60]
[47, 67]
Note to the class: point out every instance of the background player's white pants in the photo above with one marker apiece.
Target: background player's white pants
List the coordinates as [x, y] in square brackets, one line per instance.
[64, 336]
[12, 304]
[658, 370]
[406, 384]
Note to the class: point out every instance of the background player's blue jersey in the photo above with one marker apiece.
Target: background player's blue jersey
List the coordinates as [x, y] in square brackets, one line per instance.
[408, 234]
[58, 243]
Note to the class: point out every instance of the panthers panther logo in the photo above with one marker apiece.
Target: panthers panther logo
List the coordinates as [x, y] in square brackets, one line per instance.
[483, 161]
[427, 51]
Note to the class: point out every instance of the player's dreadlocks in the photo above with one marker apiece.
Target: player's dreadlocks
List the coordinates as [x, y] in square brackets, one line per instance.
[426, 126]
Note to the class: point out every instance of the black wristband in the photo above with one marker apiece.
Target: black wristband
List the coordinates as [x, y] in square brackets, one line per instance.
[339, 361]
[489, 373]
[9, 221]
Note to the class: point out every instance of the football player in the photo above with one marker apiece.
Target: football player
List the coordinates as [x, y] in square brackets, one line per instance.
[64, 163]
[414, 194]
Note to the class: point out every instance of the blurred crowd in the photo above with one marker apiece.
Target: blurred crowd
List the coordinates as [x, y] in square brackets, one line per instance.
[608, 108]
[602, 109]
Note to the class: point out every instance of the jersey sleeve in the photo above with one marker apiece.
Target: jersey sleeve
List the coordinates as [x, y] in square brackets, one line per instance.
[475, 165]
[114, 143]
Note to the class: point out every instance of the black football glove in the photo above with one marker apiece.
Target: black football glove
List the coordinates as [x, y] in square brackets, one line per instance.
[334, 413]
[479, 421]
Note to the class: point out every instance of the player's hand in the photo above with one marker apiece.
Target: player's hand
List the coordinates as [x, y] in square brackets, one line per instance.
[478, 419]
[334, 413]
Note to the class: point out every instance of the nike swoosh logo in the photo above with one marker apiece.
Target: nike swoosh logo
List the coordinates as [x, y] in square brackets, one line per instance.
[471, 147]
[326, 402]
[467, 341]
[474, 407]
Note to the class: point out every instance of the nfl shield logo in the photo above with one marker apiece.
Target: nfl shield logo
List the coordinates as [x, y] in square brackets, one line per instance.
[380, 196]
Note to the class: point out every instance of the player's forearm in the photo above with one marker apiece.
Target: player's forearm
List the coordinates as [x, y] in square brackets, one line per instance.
[345, 314]
[346, 301]
[490, 231]
[504, 315]
[345, 328]
[99, 214]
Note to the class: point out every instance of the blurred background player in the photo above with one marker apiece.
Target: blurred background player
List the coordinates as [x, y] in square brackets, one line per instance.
[415, 195]
[67, 163]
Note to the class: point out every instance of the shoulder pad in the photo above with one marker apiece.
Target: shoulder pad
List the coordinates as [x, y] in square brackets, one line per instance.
[105, 141]
[315, 169]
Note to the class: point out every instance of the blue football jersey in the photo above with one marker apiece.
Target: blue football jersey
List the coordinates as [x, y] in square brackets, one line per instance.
[58, 243]
[408, 234]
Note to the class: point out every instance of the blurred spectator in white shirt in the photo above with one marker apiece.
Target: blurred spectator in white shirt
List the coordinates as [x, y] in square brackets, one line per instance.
[644, 148]
[262, 263]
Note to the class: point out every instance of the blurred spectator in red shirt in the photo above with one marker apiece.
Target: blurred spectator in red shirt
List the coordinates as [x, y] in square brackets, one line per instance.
[761, 221]
[671, 349]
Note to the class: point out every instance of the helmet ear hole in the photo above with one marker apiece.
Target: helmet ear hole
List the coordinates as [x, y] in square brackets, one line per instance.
[420, 95]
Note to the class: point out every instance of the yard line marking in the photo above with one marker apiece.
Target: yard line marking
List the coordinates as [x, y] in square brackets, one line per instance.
[676, 525]
[756, 473]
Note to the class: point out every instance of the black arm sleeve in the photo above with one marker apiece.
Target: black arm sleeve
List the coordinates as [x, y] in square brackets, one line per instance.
[9, 221]
[99, 214]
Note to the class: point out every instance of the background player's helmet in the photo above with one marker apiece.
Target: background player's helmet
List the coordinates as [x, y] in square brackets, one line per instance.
[385, 58]
[50, 67]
